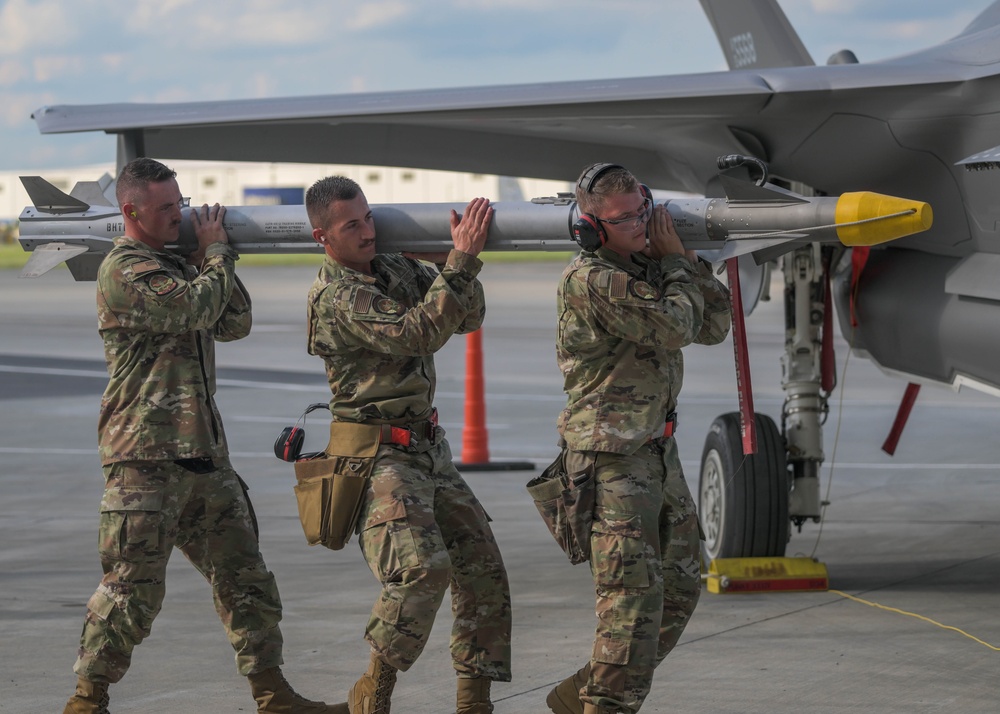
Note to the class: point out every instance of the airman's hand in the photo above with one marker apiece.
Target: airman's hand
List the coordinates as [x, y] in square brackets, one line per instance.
[469, 231]
[208, 228]
[663, 238]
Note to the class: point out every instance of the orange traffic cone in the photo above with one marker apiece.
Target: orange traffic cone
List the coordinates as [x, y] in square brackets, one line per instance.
[475, 438]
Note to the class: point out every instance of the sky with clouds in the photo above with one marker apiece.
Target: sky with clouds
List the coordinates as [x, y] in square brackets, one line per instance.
[99, 51]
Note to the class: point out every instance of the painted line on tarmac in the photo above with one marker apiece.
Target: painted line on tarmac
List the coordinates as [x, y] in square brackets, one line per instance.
[494, 396]
[54, 372]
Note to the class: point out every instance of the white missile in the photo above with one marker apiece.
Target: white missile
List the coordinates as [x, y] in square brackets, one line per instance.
[80, 227]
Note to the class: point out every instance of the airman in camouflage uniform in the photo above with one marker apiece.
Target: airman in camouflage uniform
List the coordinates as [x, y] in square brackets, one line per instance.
[625, 311]
[166, 463]
[377, 320]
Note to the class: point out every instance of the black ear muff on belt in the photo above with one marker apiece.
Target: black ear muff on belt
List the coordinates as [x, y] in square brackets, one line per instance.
[587, 231]
[288, 445]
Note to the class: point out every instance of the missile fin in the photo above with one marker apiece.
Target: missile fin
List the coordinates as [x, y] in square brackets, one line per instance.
[50, 199]
[740, 190]
[96, 193]
[45, 257]
[743, 246]
[983, 161]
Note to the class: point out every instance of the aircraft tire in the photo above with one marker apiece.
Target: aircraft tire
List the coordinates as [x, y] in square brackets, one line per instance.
[743, 501]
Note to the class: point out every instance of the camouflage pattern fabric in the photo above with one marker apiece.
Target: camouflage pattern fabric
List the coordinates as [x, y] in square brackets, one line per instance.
[645, 559]
[622, 323]
[159, 319]
[378, 334]
[621, 326]
[147, 509]
[168, 477]
[421, 528]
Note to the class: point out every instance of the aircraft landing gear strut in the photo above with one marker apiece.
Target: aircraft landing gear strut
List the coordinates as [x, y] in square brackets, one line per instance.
[805, 406]
[746, 504]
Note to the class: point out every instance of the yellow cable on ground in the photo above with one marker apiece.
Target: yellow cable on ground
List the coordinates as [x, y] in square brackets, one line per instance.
[919, 617]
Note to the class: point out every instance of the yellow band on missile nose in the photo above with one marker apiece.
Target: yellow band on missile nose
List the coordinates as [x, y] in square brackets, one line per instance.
[866, 206]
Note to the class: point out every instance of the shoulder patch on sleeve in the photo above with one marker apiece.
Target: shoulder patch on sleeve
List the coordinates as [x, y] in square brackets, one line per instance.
[362, 302]
[388, 306]
[643, 290]
[145, 266]
[162, 284]
[619, 285]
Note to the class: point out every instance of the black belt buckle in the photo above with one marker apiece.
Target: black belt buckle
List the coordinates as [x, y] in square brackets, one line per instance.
[421, 431]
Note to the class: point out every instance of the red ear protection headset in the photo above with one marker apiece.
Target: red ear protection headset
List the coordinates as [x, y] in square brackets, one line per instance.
[587, 230]
[288, 446]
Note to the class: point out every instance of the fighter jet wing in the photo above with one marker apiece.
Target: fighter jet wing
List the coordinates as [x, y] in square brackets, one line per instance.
[655, 125]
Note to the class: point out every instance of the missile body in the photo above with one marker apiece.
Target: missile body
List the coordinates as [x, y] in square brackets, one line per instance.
[752, 219]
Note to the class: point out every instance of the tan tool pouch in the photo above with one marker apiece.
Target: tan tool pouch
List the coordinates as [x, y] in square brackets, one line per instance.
[566, 503]
[331, 486]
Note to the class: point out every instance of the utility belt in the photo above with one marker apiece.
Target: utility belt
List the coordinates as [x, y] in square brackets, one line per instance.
[407, 435]
[331, 484]
[565, 495]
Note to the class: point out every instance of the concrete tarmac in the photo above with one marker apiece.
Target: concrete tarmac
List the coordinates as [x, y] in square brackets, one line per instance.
[916, 537]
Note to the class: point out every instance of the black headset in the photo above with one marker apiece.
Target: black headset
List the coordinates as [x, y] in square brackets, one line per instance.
[587, 231]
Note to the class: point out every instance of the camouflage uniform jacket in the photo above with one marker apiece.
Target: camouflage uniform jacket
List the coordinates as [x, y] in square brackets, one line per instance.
[159, 318]
[378, 333]
[621, 326]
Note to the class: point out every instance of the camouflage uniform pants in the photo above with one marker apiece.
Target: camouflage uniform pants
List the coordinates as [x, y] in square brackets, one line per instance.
[646, 566]
[423, 530]
[147, 509]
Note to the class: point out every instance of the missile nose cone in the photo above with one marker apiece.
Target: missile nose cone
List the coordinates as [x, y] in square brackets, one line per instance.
[866, 218]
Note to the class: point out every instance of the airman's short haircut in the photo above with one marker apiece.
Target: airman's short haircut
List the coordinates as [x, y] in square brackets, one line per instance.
[323, 194]
[611, 182]
[136, 176]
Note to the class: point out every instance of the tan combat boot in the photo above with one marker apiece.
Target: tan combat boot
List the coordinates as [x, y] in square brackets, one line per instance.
[372, 693]
[89, 698]
[594, 709]
[565, 698]
[474, 695]
[274, 695]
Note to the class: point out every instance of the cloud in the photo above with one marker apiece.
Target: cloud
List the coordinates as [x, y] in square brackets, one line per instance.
[35, 152]
[112, 61]
[249, 25]
[49, 67]
[834, 7]
[263, 85]
[12, 71]
[30, 25]
[16, 108]
[373, 15]
[150, 17]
